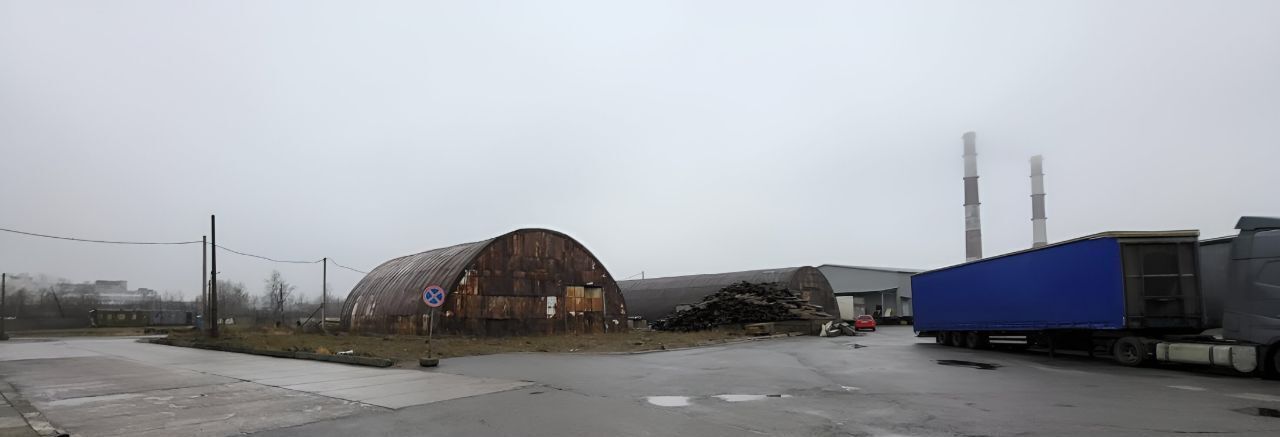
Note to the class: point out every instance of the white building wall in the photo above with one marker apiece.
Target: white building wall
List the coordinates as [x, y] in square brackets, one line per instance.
[846, 279]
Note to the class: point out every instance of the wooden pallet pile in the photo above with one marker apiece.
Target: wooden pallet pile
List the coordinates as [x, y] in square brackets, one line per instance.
[740, 303]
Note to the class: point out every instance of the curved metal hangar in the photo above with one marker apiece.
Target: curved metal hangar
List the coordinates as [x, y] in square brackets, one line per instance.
[529, 281]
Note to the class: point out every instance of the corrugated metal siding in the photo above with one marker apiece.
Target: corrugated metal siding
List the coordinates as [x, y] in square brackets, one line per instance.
[655, 298]
[394, 289]
[813, 285]
[501, 286]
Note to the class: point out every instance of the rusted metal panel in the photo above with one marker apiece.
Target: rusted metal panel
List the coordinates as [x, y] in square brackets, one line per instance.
[656, 298]
[518, 283]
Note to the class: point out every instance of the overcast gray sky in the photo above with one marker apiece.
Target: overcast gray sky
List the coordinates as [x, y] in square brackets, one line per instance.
[671, 137]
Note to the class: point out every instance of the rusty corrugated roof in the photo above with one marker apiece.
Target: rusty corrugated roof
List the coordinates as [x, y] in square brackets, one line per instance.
[395, 287]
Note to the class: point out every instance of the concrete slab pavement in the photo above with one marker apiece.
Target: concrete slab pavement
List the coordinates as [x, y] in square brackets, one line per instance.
[120, 387]
[532, 411]
[11, 422]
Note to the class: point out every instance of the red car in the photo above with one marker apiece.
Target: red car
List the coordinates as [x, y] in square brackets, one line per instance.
[864, 322]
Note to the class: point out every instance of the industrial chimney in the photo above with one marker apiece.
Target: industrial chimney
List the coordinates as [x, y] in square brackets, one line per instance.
[972, 219]
[1039, 235]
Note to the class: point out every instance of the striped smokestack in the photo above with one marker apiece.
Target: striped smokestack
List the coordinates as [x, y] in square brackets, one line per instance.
[972, 219]
[1039, 236]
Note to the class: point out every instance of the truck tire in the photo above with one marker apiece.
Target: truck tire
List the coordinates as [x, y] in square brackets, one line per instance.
[1129, 351]
[975, 340]
[940, 338]
[955, 339]
[1271, 363]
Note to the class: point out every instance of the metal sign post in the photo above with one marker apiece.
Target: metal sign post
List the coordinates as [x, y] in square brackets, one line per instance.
[431, 325]
[433, 296]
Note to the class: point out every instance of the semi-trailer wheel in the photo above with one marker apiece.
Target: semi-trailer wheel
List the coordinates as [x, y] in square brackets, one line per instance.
[940, 338]
[955, 339]
[1275, 361]
[975, 340]
[1271, 362]
[1129, 351]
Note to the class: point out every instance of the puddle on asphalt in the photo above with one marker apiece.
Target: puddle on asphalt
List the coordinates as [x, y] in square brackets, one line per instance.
[973, 364]
[1259, 411]
[683, 401]
[669, 401]
[744, 398]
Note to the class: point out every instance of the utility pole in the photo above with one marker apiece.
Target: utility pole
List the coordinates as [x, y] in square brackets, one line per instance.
[204, 277]
[3, 289]
[213, 276]
[324, 290]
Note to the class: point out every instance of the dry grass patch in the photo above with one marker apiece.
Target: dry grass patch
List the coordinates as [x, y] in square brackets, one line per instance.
[405, 349]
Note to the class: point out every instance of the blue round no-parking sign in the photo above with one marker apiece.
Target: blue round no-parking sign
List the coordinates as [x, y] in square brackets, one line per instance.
[433, 296]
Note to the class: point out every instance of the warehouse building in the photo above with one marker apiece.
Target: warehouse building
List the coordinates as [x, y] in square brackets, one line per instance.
[878, 291]
[529, 281]
[655, 298]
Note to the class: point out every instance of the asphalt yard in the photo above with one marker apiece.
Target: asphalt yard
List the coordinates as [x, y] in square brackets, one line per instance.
[886, 383]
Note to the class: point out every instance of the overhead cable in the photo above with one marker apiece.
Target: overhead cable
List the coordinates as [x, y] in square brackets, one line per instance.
[265, 258]
[86, 240]
[331, 261]
[174, 243]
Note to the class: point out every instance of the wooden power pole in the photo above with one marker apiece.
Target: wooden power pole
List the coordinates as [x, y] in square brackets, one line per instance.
[213, 276]
[324, 290]
[3, 289]
[204, 278]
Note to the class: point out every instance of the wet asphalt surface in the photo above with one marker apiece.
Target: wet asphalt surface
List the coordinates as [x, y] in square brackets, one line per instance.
[886, 383]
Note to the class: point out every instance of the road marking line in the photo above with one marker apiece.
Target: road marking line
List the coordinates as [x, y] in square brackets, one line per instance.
[1186, 387]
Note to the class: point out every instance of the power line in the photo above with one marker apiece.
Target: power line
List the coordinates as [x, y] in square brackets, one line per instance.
[263, 257]
[331, 261]
[86, 240]
[154, 243]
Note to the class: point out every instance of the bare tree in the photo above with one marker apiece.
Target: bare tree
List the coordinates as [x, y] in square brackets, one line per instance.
[279, 292]
[332, 303]
[232, 300]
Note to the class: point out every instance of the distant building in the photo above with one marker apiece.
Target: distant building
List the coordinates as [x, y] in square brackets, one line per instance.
[80, 290]
[880, 291]
[102, 287]
[118, 294]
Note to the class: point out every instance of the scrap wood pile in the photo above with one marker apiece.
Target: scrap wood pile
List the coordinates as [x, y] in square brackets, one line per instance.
[742, 302]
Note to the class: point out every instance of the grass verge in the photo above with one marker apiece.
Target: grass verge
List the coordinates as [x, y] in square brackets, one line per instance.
[97, 332]
[406, 350]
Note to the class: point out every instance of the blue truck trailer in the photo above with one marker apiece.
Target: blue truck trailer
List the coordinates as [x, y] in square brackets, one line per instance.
[1135, 296]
